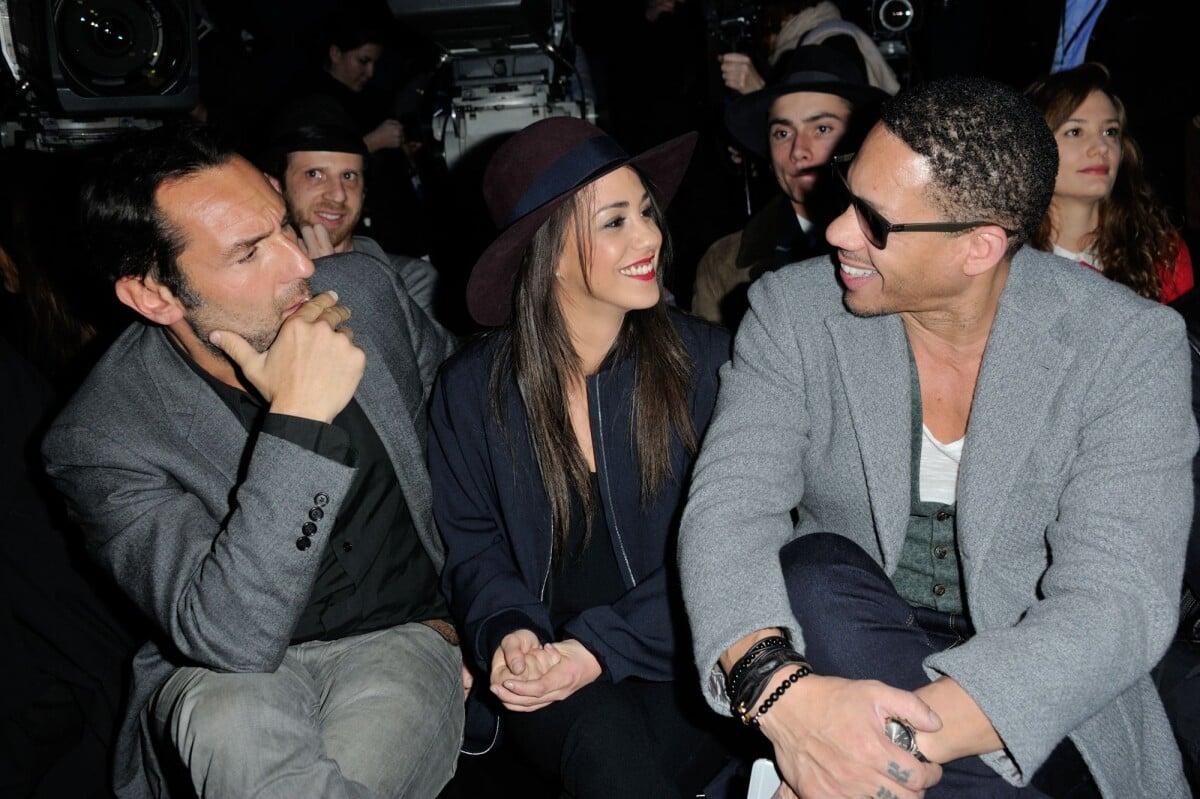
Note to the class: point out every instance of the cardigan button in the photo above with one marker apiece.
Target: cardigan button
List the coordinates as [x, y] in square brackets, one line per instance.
[942, 516]
[941, 551]
[939, 590]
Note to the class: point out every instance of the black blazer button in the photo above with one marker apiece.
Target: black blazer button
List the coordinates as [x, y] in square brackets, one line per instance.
[316, 514]
[303, 543]
[347, 546]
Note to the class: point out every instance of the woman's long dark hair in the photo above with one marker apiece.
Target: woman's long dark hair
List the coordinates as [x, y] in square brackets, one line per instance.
[536, 353]
[1134, 235]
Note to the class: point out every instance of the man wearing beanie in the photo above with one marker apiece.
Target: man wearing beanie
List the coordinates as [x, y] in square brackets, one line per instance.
[319, 164]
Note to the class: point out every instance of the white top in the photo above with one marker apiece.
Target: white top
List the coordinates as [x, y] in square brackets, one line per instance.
[1087, 257]
[939, 468]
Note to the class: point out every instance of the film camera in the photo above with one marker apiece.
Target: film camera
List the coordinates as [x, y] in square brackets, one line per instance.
[733, 25]
[84, 69]
[890, 23]
[505, 64]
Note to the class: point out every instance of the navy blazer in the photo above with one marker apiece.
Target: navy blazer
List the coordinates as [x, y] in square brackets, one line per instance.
[495, 518]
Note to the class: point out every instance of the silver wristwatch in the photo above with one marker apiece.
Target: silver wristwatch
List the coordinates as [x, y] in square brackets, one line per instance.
[904, 736]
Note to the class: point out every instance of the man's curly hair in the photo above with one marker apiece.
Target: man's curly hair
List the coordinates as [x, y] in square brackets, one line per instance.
[991, 155]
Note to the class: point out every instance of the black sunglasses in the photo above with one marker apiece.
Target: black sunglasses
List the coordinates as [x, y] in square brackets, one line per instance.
[876, 228]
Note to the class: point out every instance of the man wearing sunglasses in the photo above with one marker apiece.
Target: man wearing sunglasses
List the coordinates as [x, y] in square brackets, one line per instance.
[935, 535]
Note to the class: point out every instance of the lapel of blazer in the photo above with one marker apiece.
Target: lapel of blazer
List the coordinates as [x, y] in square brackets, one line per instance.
[390, 394]
[1023, 366]
[194, 410]
[872, 357]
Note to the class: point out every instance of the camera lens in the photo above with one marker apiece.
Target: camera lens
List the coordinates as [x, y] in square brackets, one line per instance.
[122, 47]
[894, 15]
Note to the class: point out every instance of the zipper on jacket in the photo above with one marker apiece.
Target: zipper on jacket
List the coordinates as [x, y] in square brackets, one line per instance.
[603, 464]
[549, 562]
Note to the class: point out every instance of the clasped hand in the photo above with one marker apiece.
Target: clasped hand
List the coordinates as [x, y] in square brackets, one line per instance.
[528, 676]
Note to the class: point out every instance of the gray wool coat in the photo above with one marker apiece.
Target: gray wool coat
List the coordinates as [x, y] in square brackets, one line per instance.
[1074, 500]
[149, 457]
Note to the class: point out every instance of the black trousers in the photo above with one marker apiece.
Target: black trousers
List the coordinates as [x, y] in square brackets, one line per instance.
[856, 626]
[631, 738]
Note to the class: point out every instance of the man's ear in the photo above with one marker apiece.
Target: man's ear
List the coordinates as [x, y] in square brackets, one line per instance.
[335, 53]
[274, 181]
[989, 243]
[150, 298]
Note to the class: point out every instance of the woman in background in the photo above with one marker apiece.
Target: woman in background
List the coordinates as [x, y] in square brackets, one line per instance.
[1104, 213]
[560, 451]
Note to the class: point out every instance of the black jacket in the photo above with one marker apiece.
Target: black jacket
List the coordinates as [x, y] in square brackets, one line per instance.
[494, 515]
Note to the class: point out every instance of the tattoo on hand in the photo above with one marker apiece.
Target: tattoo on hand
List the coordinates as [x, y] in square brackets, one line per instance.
[898, 774]
[884, 793]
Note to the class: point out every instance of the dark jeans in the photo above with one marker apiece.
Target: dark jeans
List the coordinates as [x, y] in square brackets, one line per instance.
[1178, 680]
[630, 738]
[856, 626]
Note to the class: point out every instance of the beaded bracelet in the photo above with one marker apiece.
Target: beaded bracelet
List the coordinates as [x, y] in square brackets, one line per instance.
[760, 648]
[755, 680]
[793, 678]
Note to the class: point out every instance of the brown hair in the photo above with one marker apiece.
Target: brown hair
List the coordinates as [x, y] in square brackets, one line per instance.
[536, 354]
[1134, 235]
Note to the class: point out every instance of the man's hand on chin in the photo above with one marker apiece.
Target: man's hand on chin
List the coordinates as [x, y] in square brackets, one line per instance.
[312, 368]
[829, 740]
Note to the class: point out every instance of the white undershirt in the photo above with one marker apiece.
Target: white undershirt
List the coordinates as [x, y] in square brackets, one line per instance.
[939, 468]
[1087, 257]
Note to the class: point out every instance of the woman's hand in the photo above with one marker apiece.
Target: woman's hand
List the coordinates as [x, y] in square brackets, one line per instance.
[565, 667]
[389, 135]
[519, 656]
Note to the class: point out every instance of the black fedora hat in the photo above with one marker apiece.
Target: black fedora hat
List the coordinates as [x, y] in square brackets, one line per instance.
[808, 68]
[535, 172]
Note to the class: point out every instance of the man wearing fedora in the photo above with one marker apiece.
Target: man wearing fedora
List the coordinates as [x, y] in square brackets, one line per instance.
[817, 99]
[250, 471]
[935, 536]
[319, 164]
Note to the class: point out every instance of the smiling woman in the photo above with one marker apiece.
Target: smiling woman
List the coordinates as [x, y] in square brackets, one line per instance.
[1104, 213]
[559, 451]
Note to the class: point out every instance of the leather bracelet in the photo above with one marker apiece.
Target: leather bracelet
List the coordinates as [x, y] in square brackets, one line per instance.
[803, 671]
[760, 648]
[736, 687]
[755, 681]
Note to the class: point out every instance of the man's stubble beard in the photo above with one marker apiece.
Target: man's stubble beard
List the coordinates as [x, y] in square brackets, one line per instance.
[260, 340]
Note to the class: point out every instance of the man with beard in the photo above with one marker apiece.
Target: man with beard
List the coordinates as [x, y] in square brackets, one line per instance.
[319, 163]
[816, 103]
[250, 472]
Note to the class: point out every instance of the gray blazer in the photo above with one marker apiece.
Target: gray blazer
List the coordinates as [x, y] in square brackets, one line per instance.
[1074, 499]
[197, 524]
